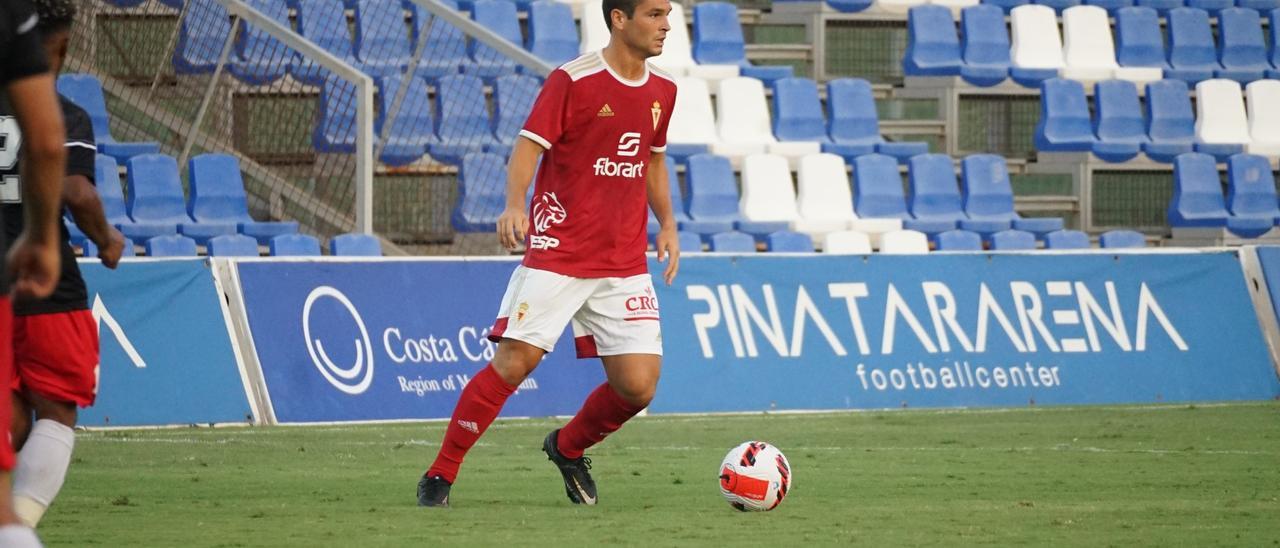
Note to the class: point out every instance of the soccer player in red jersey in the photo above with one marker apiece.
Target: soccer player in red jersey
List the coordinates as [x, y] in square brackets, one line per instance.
[600, 126]
[55, 340]
[32, 259]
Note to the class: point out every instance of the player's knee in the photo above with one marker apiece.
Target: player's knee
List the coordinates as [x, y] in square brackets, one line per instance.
[58, 411]
[636, 393]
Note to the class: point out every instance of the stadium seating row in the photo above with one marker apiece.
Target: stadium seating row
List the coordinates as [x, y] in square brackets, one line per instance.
[156, 205]
[1250, 207]
[238, 245]
[1118, 132]
[852, 242]
[86, 92]
[1163, 6]
[822, 202]
[1086, 51]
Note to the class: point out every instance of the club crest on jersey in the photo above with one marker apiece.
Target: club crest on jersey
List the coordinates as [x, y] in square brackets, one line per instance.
[656, 111]
[547, 211]
[522, 311]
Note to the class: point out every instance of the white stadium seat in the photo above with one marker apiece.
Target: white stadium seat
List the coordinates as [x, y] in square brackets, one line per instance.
[692, 120]
[768, 193]
[1220, 114]
[1264, 117]
[826, 200]
[1035, 40]
[595, 34]
[904, 242]
[846, 242]
[1087, 47]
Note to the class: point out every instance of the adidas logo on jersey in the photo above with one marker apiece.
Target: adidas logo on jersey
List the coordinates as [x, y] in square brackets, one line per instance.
[605, 111]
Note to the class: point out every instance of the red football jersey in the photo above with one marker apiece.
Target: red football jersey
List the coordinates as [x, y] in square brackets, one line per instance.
[590, 205]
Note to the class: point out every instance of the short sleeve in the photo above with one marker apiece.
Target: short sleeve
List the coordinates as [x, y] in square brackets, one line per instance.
[550, 112]
[21, 52]
[81, 149]
[659, 143]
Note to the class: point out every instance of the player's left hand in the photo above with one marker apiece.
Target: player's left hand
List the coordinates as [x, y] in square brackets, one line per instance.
[668, 247]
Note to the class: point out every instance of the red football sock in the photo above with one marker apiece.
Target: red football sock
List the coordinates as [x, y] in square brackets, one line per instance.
[602, 414]
[478, 405]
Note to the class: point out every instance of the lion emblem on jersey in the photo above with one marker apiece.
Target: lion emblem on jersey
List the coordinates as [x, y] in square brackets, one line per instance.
[547, 211]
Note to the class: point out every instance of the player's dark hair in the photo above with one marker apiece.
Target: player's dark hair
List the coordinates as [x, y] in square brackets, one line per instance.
[55, 15]
[628, 8]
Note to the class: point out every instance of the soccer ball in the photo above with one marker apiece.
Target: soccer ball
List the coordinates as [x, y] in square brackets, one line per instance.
[754, 477]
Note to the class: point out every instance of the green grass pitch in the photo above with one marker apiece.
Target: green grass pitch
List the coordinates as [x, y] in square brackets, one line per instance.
[1181, 475]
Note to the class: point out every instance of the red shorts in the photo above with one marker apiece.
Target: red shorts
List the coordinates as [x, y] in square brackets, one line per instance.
[56, 356]
[7, 458]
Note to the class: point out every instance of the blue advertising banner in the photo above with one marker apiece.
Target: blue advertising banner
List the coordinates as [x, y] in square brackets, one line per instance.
[388, 340]
[166, 354]
[829, 332]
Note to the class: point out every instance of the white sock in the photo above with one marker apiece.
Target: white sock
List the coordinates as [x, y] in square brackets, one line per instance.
[18, 536]
[42, 467]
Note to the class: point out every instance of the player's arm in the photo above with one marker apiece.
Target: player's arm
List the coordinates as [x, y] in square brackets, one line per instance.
[34, 257]
[82, 201]
[514, 221]
[657, 184]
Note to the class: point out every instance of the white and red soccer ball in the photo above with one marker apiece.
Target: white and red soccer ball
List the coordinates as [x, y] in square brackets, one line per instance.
[755, 477]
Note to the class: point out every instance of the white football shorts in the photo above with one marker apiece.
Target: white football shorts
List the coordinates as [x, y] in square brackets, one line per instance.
[610, 316]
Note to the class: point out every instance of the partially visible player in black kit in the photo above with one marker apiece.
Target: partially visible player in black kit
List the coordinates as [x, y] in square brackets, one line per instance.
[55, 340]
[32, 260]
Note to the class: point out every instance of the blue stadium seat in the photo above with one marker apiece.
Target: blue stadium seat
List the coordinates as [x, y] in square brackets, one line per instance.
[89, 249]
[110, 193]
[482, 186]
[1170, 122]
[1192, 55]
[717, 39]
[155, 201]
[1241, 47]
[513, 97]
[1064, 118]
[232, 245]
[1057, 5]
[1262, 6]
[854, 125]
[324, 23]
[463, 125]
[500, 17]
[553, 36]
[690, 242]
[713, 199]
[797, 111]
[172, 245]
[1013, 240]
[843, 6]
[1005, 5]
[1139, 42]
[986, 45]
[732, 242]
[446, 47]
[1121, 239]
[934, 194]
[677, 204]
[1161, 6]
[1066, 239]
[1251, 194]
[125, 3]
[1214, 7]
[355, 245]
[988, 199]
[933, 48]
[877, 188]
[335, 129]
[1112, 6]
[175, 4]
[1119, 126]
[218, 197]
[958, 240]
[1198, 201]
[1273, 31]
[260, 58]
[786, 241]
[204, 28]
[381, 43]
[294, 245]
[413, 128]
[86, 92]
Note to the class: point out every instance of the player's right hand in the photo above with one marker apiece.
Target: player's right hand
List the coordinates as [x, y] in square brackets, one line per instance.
[111, 252]
[33, 267]
[512, 226]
